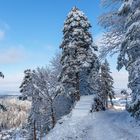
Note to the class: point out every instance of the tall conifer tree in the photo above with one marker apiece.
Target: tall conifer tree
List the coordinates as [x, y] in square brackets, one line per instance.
[106, 84]
[78, 59]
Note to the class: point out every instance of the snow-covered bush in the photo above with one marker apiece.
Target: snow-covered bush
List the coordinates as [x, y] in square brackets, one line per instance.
[97, 104]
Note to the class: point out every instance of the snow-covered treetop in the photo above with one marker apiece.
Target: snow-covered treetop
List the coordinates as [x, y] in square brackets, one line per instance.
[76, 18]
[75, 30]
[105, 72]
[24, 87]
[105, 66]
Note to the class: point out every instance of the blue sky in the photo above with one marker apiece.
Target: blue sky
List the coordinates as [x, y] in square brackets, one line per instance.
[31, 32]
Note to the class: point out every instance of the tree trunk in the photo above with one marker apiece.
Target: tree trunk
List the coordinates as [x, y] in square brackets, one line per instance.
[40, 133]
[34, 131]
[107, 101]
[53, 116]
[77, 94]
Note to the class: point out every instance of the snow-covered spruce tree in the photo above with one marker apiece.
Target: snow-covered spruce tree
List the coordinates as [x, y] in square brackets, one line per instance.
[78, 60]
[41, 118]
[27, 91]
[106, 84]
[26, 85]
[130, 51]
[97, 104]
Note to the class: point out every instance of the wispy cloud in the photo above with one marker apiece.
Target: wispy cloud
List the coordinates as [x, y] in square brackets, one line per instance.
[12, 55]
[2, 34]
[4, 27]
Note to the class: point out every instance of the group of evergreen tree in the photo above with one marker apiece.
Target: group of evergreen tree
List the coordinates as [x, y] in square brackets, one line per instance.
[128, 46]
[53, 92]
[80, 65]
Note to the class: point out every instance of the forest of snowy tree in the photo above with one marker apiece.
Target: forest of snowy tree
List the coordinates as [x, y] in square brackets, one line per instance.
[81, 68]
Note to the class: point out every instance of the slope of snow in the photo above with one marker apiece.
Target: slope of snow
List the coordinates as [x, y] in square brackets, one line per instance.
[82, 125]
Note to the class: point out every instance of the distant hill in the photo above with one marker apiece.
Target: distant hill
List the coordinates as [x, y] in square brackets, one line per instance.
[7, 94]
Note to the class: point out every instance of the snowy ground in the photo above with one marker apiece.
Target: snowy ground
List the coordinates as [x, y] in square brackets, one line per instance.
[80, 124]
[114, 124]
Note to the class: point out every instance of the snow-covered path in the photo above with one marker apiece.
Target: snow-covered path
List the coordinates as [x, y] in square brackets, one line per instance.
[82, 107]
[68, 127]
[112, 125]
[105, 125]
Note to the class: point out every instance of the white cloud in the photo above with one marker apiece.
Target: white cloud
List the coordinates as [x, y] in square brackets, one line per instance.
[4, 27]
[2, 34]
[12, 55]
